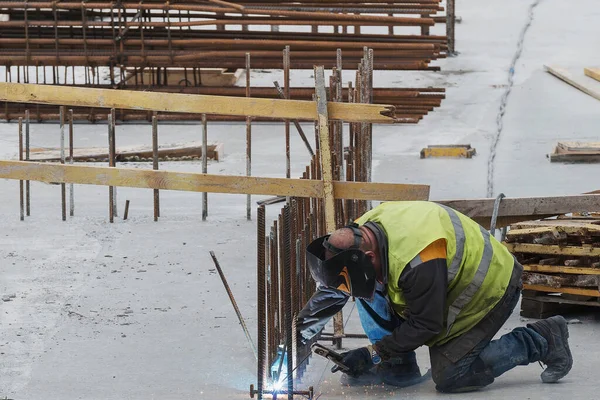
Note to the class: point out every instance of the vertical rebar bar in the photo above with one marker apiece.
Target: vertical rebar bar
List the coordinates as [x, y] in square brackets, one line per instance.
[114, 156]
[450, 26]
[126, 212]
[71, 186]
[204, 165]
[27, 184]
[111, 203]
[287, 292]
[248, 140]
[155, 165]
[261, 297]
[21, 195]
[63, 186]
[286, 88]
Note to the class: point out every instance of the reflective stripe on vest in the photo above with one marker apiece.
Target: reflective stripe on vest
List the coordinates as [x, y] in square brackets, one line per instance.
[484, 265]
[459, 235]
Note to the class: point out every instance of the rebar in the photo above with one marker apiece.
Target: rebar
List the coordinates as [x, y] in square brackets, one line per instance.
[71, 186]
[204, 165]
[111, 159]
[27, 183]
[234, 303]
[21, 195]
[63, 187]
[261, 298]
[156, 193]
[248, 140]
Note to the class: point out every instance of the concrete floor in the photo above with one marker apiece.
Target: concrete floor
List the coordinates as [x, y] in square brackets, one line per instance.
[135, 310]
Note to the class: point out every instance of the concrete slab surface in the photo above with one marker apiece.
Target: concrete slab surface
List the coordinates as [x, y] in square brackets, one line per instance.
[135, 310]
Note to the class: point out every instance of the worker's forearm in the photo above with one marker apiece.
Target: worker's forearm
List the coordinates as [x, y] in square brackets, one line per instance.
[323, 305]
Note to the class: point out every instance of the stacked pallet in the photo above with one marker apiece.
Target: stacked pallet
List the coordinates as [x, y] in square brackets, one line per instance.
[561, 260]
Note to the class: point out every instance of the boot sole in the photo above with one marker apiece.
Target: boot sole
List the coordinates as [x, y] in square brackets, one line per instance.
[565, 334]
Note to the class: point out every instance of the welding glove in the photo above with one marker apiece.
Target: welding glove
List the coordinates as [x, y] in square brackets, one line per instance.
[358, 361]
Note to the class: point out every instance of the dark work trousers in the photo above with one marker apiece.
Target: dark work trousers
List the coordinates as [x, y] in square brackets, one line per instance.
[472, 360]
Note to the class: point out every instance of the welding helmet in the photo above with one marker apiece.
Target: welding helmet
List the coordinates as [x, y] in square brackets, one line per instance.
[349, 270]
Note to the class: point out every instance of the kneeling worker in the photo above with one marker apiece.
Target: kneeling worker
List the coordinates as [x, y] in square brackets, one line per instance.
[424, 274]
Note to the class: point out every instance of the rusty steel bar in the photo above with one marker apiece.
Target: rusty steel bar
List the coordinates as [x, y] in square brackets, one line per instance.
[204, 164]
[234, 303]
[296, 123]
[27, 183]
[286, 91]
[21, 194]
[114, 152]
[248, 140]
[287, 292]
[71, 186]
[261, 298]
[156, 192]
[111, 158]
[126, 212]
[63, 187]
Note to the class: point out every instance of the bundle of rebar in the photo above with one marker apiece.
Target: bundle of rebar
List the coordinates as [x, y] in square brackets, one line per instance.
[216, 33]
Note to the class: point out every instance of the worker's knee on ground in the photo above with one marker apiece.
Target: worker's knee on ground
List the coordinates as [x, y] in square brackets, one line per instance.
[474, 378]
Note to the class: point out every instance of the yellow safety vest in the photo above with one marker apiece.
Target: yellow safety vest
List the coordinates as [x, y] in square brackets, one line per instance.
[479, 267]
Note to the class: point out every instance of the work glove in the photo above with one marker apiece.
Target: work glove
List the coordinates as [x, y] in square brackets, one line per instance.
[358, 361]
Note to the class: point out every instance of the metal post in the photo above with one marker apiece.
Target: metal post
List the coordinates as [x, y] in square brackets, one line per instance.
[63, 187]
[286, 88]
[450, 24]
[248, 140]
[114, 157]
[27, 187]
[204, 165]
[21, 197]
[71, 186]
[155, 164]
[261, 298]
[111, 214]
[126, 212]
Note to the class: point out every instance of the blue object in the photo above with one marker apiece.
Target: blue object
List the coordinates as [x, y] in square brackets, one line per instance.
[279, 364]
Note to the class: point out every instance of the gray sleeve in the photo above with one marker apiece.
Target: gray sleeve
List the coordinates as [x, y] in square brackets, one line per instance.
[324, 304]
[424, 288]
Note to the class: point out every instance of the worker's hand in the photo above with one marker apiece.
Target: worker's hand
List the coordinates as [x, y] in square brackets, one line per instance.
[358, 361]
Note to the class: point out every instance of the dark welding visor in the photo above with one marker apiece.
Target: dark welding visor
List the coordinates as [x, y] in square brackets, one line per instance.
[350, 270]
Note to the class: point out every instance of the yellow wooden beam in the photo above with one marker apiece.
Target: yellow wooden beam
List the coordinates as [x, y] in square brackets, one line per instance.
[553, 249]
[192, 103]
[569, 290]
[592, 73]
[194, 182]
[461, 151]
[559, 269]
[324, 140]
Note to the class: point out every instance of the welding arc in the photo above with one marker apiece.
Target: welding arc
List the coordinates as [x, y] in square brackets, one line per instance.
[233, 302]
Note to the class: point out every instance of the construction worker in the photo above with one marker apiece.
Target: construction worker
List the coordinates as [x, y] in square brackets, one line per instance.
[425, 274]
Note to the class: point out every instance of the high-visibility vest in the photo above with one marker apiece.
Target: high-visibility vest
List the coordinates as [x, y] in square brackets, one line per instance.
[479, 267]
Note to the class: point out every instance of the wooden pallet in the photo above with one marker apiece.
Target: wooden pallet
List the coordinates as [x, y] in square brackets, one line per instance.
[576, 152]
[561, 262]
[212, 77]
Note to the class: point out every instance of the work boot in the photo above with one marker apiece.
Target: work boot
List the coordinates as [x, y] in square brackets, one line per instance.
[558, 359]
[397, 372]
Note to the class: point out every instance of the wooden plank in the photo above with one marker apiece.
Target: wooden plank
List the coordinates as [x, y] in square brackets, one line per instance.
[561, 300]
[581, 82]
[592, 73]
[460, 151]
[560, 280]
[566, 225]
[324, 141]
[450, 152]
[129, 154]
[185, 181]
[553, 249]
[561, 269]
[517, 209]
[190, 103]
[569, 290]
